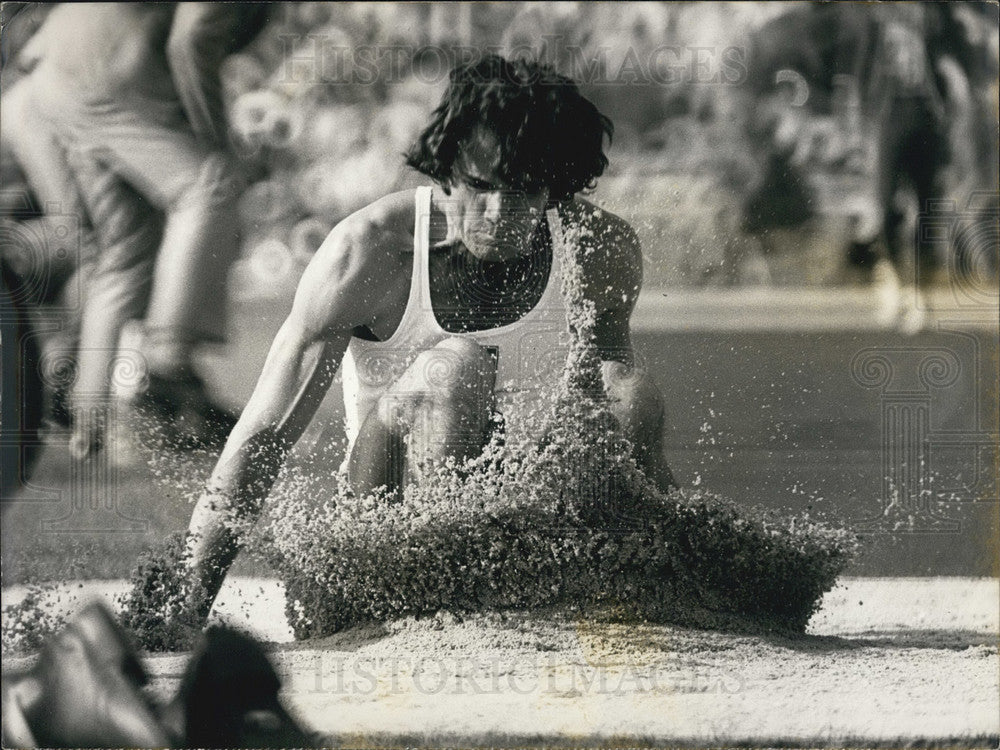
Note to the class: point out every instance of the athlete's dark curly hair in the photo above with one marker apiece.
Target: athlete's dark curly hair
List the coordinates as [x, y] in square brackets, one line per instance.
[550, 135]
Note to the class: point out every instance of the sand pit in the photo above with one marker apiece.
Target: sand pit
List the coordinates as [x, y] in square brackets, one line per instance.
[884, 661]
[554, 511]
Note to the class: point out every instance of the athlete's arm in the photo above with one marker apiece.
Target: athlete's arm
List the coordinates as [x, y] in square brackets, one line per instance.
[615, 281]
[335, 295]
[613, 278]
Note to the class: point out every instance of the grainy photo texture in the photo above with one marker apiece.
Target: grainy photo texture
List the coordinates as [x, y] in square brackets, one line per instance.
[500, 374]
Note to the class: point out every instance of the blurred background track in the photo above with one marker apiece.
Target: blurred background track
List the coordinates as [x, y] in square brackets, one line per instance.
[761, 407]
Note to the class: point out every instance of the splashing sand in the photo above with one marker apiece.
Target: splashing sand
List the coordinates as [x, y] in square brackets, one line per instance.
[157, 606]
[568, 520]
[563, 520]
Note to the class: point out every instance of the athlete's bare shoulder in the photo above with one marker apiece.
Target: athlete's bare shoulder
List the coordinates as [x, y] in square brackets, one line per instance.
[386, 218]
[362, 265]
[612, 261]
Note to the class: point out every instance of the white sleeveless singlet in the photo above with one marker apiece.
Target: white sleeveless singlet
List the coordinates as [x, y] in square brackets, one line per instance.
[531, 351]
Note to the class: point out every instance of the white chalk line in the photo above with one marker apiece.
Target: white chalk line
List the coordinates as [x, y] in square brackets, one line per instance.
[814, 310]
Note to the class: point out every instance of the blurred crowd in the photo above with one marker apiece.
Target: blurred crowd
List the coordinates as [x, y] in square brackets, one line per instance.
[156, 155]
[880, 113]
[114, 123]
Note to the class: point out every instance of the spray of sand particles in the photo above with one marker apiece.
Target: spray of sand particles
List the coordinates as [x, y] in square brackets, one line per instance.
[553, 513]
[565, 520]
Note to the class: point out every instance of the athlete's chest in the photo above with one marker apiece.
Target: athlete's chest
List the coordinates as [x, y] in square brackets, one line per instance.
[469, 295]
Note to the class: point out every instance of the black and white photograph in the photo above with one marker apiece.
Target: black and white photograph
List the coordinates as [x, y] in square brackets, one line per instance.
[510, 374]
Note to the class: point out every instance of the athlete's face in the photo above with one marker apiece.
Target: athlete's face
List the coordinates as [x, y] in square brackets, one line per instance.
[494, 220]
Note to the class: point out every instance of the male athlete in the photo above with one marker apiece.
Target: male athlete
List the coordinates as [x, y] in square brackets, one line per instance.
[444, 304]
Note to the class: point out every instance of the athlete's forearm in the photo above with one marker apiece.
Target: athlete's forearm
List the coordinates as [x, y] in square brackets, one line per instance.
[243, 478]
[229, 507]
[296, 376]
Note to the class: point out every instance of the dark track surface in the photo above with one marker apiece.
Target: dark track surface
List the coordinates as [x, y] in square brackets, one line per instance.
[777, 419]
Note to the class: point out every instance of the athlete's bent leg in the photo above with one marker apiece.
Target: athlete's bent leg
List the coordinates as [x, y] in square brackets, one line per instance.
[440, 408]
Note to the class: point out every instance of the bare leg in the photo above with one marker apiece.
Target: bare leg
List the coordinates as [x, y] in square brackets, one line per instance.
[200, 241]
[440, 408]
[197, 189]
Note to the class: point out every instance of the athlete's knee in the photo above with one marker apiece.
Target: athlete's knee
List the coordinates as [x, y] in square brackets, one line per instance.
[626, 383]
[458, 368]
[638, 406]
[448, 382]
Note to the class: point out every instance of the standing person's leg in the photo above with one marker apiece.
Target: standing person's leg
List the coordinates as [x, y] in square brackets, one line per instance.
[440, 408]
[129, 230]
[67, 245]
[198, 190]
[928, 155]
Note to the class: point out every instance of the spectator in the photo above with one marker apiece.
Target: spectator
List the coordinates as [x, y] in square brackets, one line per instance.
[132, 95]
